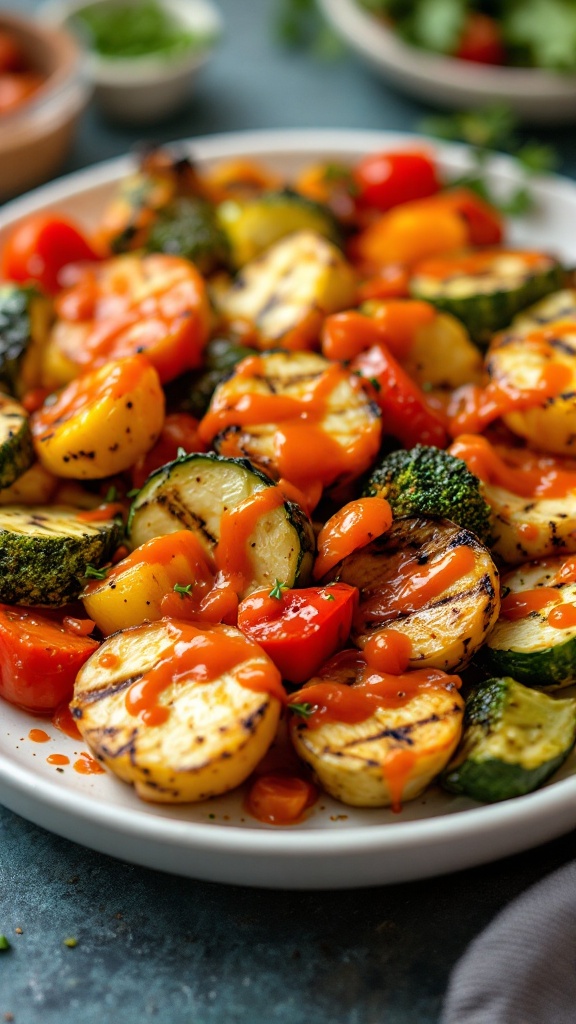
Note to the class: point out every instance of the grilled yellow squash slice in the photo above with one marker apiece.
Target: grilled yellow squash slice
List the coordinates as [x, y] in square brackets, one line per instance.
[205, 736]
[446, 619]
[389, 757]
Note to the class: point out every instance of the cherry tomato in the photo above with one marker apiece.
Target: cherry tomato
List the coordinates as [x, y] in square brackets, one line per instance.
[39, 658]
[39, 247]
[299, 629]
[385, 180]
[481, 40]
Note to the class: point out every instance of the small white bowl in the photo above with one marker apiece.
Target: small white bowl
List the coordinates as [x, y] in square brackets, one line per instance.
[142, 90]
[537, 96]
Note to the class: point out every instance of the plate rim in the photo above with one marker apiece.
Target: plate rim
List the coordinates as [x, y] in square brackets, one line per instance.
[544, 807]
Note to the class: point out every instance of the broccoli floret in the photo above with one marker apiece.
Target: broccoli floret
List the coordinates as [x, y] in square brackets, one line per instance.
[188, 228]
[427, 481]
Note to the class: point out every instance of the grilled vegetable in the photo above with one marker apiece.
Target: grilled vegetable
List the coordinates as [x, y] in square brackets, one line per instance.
[522, 360]
[25, 318]
[430, 580]
[39, 658]
[296, 415]
[428, 481]
[529, 528]
[102, 422]
[392, 753]
[514, 739]
[153, 304]
[35, 487]
[486, 289]
[442, 355]
[133, 590]
[16, 449]
[534, 640]
[559, 305]
[255, 224]
[192, 391]
[286, 292]
[206, 730]
[195, 492]
[188, 227]
[44, 552]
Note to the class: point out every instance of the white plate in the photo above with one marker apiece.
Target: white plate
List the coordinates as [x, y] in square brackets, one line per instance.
[535, 95]
[337, 846]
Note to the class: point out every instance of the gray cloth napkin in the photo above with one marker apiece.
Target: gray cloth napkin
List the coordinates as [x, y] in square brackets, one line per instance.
[522, 968]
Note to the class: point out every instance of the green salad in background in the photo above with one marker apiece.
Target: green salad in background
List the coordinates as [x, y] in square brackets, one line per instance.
[524, 33]
[127, 31]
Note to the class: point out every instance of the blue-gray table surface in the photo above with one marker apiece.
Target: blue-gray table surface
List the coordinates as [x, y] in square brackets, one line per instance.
[155, 947]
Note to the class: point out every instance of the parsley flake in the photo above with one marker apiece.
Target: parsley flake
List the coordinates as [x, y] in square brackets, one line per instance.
[182, 589]
[92, 573]
[277, 589]
[111, 494]
[4, 944]
[71, 942]
[328, 597]
[304, 709]
[133, 492]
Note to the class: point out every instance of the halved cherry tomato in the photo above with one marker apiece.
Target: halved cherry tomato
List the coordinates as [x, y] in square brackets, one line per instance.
[405, 412]
[39, 247]
[484, 222]
[384, 180]
[39, 658]
[481, 40]
[299, 629]
[180, 430]
[155, 304]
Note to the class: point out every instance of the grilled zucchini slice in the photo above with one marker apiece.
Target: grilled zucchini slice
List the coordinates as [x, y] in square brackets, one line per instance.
[255, 224]
[25, 320]
[215, 733]
[517, 360]
[349, 417]
[559, 305]
[445, 629]
[285, 293]
[16, 447]
[532, 650]
[44, 552]
[514, 739]
[486, 289]
[194, 491]
[353, 762]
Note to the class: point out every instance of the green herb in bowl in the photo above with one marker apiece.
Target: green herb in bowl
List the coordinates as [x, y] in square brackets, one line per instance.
[124, 31]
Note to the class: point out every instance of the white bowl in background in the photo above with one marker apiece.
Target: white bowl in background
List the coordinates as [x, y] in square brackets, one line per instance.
[142, 90]
[537, 96]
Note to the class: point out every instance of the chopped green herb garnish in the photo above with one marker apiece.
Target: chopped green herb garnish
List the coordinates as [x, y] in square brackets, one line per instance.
[375, 383]
[277, 589]
[487, 129]
[4, 944]
[182, 589]
[328, 597]
[127, 31]
[71, 942]
[92, 573]
[133, 492]
[111, 494]
[301, 709]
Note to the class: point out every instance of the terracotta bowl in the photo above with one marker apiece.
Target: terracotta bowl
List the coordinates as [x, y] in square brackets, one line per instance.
[35, 138]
